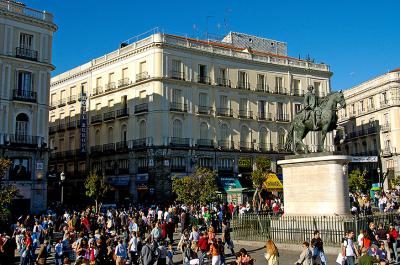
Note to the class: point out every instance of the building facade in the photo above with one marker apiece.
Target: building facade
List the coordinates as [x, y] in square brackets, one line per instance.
[25, 67]
[372, 126]
[164, 104]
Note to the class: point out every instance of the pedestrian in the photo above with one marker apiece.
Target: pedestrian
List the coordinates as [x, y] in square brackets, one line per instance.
[305, 255]
[42, 255]
[383, 236]
[318, 249]
[162, 255]
[226, 236]
[271, 253]
[120, 253]
[214, 252]
[58, 252]
[365, 259]
[133, 248]
[349, 251]
[243, 258]
[393, 236]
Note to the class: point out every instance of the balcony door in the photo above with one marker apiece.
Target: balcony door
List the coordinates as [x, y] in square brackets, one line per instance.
[177, 129]
[25, 41]
[25, 81]
[245, 135]
[21, 125]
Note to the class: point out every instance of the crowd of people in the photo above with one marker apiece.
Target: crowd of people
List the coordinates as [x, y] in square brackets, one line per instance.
[383, 202]
[142, 235]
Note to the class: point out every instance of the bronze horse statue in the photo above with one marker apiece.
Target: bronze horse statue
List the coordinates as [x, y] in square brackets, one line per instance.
[326, 112]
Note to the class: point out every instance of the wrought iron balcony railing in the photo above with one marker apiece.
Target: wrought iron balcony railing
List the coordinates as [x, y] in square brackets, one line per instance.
[26, 54]
[24, 95]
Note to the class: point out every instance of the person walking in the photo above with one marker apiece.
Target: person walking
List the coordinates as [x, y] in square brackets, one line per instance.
[393, 235]
[305, 255]
[318, 249]
[120, 253]
[226, 236]
[271, 253]
[42, 255]
[349, 251]
[214, 252]
[383, 236]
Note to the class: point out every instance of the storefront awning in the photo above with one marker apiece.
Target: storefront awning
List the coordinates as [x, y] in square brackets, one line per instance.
[272, 183]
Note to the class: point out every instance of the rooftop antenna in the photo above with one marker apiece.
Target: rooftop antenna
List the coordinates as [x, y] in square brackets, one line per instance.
[207, 18]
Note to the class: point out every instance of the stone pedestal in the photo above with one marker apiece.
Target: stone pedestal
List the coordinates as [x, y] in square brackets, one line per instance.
[316, 184]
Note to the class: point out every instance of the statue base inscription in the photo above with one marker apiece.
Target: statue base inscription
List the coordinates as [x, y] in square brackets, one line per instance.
[316, 184]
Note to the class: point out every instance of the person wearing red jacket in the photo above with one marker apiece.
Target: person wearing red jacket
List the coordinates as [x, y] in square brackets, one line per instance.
[393, 235]
[203, 246]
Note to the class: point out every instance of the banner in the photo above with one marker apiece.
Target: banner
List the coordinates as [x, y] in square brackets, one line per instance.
[84, 125]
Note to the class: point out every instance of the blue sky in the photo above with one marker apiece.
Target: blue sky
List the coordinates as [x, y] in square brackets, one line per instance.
[358, 39]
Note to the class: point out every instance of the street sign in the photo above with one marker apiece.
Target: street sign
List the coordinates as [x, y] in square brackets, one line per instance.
[364, 159]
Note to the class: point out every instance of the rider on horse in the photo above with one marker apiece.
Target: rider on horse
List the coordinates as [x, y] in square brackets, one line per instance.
[310, 103]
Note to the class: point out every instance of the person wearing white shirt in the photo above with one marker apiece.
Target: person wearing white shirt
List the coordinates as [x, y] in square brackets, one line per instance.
[160, 215]
[133, 248]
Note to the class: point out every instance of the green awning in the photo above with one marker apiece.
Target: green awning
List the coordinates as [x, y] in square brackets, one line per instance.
[375, 188]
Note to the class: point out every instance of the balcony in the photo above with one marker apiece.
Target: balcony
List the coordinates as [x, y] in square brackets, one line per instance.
[21, 139]
[139, 143]
[62, 102]
[385, 127]
[122, 146]
[225, 112]
[297, 92]
[243, 85]
[110, 87]
[71, 123]
[176, 106]
[109, 147]
[282, 117]
[61, 125]
[205, 143]
[17, 8]
[141, 108]
[96, 149]
[53, 129]
[178, 168]
[97, 91]
[109, 116]
[223, 82]
[245, 114]
[262, 116]
[123, 82]
[52, 106]
[26, 54]
[178, 75]
[179, 142]
[121, 113]
[387, 151]
[226, 144]
[71, 99]
[203, 79]
[265, 147]
[281, 90]
[246, 146]
[97, 118]
[205, 110]
[24, 95]
[142, 76]
[262, 88]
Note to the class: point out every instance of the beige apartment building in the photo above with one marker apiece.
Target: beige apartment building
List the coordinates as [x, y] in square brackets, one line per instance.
[372, 125]
[162, 104]
[25, 67]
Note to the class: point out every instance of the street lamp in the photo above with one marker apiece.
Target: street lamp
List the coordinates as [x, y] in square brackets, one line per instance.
[379, 176]
[62, 178]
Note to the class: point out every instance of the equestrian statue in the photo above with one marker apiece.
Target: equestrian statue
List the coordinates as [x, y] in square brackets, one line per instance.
[316, 115]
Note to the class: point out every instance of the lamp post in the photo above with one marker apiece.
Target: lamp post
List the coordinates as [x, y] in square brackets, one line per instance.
[379, 176]
[62, 178]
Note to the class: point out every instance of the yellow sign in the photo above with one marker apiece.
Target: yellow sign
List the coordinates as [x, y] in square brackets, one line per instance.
[272, 183]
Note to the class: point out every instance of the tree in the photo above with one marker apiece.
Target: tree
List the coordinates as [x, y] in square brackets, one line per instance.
[96, 187]
[7, 191]
[197, 188]
[259, 176]
[357, 181]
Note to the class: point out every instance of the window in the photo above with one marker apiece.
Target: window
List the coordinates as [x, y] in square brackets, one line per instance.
[177, 71]
[243, 105]
[143, 67]
[123, 133]
[21, 169]
[142, 130]
[110, 135]
[71, 143]
[202, 71]
[25, 81]
[98, 82]
[361, 104]
[61, 145]
[52, 99]
[245, 135]
[371, 103]
[317, 87]
[297, 108]
[296, 87]
[177, 129]
[222, 74]
[264, 136]
[261, 107]
[177, 96]
[225, 163]
[203, 99]
[223, 100]
[224, 132]
[72, 91]
[280, 110]
[281, 138]
[261, 82]
[203, 130]
[278, 83]
[124, 101]
[26, 41]
[111, 103]
[98, 106]
[242, 79]
[206, 162]
[386, 118]
[97, 140]
[21, 125]
[124, 73]
[62, 97]
[384, 98]
[111, 78]
[178, 163]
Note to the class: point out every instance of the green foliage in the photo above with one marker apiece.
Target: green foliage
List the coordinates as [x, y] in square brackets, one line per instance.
[197, 188]
[96, 187]
[7, 191]
[394, 182]
[263, 164]
[357, 181]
